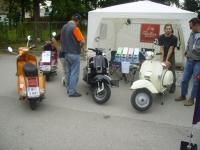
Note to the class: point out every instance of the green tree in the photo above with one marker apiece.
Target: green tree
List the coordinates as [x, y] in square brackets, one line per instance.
[36, 9]
[105, 3]
[167, 2]
[192, 5]
[24, 6]
[16, 9]
[13, 9]
[64, 9]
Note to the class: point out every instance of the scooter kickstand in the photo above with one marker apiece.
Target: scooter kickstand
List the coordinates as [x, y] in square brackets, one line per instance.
[163, 98]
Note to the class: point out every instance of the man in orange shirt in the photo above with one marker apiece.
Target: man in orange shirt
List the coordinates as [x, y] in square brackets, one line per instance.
[71, 42]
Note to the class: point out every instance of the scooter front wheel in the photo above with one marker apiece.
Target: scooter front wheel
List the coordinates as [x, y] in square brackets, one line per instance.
[141, 99]
[103, 96]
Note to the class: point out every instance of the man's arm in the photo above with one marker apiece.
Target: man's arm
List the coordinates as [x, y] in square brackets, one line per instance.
[161, 44]
[162, 52]
[82, 43]
[79, 36]
[186, 50]
[197, 47]
[61, 39]
[171, 49]
[169, 54]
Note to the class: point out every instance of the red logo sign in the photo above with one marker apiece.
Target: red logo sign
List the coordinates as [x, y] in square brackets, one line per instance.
[198, 77]
[149, 32]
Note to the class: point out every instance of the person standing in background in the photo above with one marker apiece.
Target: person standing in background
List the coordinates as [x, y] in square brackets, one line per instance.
[71, 42]
[192, 66]
[168, 42]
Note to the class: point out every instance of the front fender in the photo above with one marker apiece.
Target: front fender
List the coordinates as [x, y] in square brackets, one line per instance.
[141, 84]
[108, 80]
[104, 78]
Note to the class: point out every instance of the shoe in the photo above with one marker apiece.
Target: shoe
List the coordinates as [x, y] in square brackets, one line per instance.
[75, 95]
[189, 102]
[180, 98]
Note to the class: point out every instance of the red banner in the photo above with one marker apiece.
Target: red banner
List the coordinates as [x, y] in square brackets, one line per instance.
[149, 32]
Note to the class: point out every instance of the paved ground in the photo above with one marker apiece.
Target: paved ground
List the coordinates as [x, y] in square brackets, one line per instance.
[62, 123]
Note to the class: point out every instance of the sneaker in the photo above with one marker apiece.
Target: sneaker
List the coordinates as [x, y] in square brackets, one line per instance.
[189, 102]
[180, 98]
[75, 95]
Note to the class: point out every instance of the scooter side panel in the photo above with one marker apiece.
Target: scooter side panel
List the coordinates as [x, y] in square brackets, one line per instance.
[140, 84]
[20, 68]
[42, 83]
[21, 85]
[156, 70]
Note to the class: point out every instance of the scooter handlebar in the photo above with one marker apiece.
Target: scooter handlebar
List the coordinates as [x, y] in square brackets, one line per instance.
[97, 49]
[101, 50]
[32, 46]
[92, 49]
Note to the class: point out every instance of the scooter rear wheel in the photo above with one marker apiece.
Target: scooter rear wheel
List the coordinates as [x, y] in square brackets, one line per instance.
[103, 96]
[33, 104]
[47, 77]
[141, 99]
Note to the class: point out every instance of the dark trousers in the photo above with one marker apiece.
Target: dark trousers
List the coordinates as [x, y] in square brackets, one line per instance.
[173, 69]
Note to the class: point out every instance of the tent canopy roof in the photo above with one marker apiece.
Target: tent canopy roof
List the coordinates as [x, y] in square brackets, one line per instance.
[140, 12]
[142, 7]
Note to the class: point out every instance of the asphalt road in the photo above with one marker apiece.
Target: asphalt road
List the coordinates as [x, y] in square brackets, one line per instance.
[63, 123]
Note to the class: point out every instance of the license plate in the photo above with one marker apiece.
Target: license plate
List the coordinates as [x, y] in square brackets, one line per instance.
[46, 68]
[33, 92]
[46, 56]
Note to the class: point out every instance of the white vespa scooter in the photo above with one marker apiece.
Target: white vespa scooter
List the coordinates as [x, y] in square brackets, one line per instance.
[154, 78]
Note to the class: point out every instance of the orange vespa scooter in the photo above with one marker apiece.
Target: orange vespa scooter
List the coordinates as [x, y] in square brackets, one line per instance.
[30, 82]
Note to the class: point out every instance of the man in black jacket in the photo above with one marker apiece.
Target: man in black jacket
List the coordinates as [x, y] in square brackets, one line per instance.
[168, 42]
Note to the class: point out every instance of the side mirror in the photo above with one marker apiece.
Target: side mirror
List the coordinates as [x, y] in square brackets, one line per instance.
[28, 37]
[53, 34]
[10, 49]
[128, 21]
[97, 39]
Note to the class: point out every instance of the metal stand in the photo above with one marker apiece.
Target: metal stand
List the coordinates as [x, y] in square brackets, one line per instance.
[164, 93]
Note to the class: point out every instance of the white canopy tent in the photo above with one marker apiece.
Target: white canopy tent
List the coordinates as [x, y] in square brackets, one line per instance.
[108, 28]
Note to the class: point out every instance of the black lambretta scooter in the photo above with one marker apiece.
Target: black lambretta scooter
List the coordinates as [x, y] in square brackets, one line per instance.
[96, 75]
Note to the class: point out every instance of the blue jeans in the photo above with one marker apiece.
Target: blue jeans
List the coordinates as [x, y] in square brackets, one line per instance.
[72, 75]
[192, 68]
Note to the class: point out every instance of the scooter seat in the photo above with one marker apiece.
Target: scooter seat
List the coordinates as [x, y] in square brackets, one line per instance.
[30, 70]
